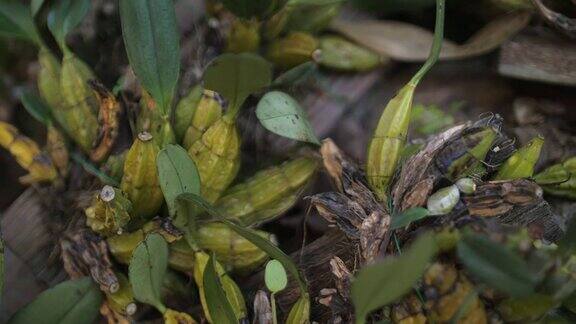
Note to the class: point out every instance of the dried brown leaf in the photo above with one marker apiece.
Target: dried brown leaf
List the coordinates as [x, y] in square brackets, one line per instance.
[496, 198]
[108, 119]
[539, 56]
[84, 253]
[410, 43]
[559, 20]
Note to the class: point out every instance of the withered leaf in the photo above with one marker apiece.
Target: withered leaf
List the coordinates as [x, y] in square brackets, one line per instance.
[409, 43]
[108, 119]
[557, 19]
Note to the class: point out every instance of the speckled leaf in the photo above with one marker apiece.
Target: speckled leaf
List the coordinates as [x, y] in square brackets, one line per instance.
[281, 114]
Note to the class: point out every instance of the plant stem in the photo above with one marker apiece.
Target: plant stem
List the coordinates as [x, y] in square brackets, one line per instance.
[436, 44]
[273, 305]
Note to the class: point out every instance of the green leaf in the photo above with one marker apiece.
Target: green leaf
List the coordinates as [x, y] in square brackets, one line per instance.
[275, 276]
[380, 284]
[496, 266]
[152, 43]
[262, 243]
[177, 173]
[519, 310]
[393, 6]
[218, 305]
[1, 265]
[300, 311]
[281, 114]
[567, 244]
[186, 219]
[36, 107]
[70, 302]
[427, 120]
[35, 6]
[296, 75]
[236, 76]
[16, 21]
[65, 16]
[252, 8]
[147, 269]
[409, 216]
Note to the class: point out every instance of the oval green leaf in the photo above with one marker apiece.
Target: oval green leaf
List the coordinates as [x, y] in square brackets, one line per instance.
[275, 276]
[496, 265]
[409, 216]
[380, 284]
[218, 305]
[65, 16]
[16, 21]
[152, 43]
[262, 243]
[281, 114]
[177, 173]
[236, 76]
[147, 269]
[70, 302]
